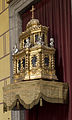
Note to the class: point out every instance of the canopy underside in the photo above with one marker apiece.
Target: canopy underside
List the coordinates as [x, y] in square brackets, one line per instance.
[29, 93]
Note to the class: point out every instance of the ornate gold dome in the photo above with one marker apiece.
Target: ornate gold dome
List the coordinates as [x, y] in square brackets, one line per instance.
[32, 22]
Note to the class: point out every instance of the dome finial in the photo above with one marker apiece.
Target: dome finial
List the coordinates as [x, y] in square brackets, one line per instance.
[32, 10]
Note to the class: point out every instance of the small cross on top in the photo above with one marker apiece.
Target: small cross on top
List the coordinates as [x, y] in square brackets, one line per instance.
[32, 10]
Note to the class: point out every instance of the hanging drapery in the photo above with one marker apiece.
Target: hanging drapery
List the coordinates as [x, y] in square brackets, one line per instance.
[56, 15]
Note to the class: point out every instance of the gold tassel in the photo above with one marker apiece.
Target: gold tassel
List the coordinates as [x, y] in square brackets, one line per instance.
[17, 105]
[41, 102]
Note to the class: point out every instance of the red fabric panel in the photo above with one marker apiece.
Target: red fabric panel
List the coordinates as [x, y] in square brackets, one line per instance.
[26, 114]
[57, 15]
[49, 112]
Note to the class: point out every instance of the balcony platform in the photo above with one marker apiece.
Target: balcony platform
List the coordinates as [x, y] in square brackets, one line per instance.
[30, 92]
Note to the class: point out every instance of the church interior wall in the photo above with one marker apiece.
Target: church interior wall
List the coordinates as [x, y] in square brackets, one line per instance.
[15, 9]
[10, 29]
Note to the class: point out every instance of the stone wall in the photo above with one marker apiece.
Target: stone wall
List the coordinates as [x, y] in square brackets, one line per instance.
[15, 27]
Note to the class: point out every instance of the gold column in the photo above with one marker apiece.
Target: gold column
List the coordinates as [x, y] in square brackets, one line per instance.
[42, 60]
[23, 43]
[27, 64]
[21, 65]
[53, 61]
[32, 39]
[46, 41]
[15, 66]
[50, 62]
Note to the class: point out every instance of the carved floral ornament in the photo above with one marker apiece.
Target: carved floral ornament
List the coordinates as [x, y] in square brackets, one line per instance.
[34, 74]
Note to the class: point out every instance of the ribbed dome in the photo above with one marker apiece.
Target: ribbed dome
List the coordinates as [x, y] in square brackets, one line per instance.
[32, 22]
